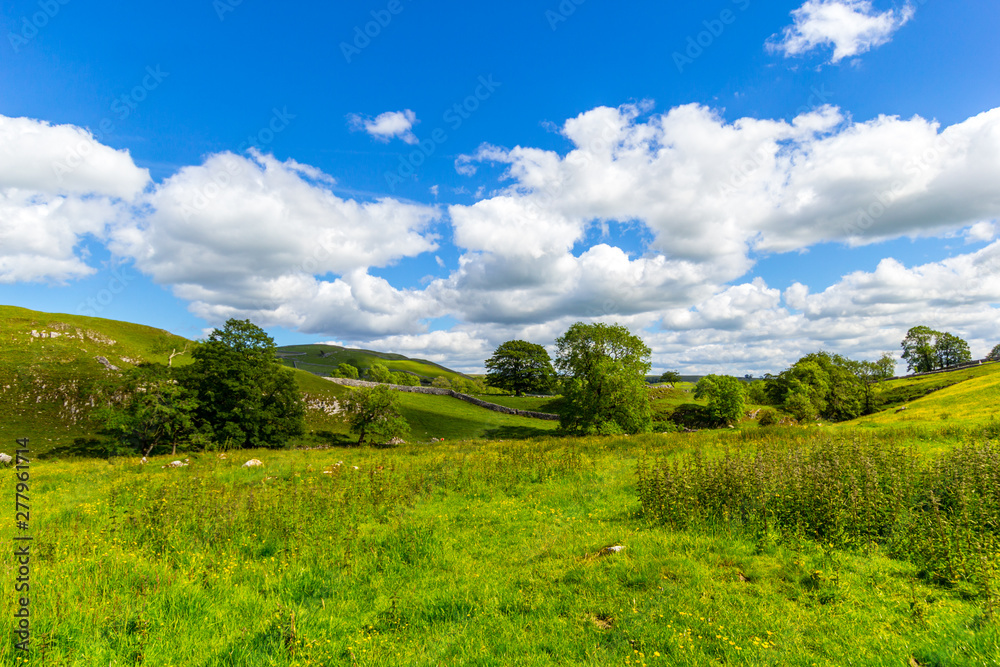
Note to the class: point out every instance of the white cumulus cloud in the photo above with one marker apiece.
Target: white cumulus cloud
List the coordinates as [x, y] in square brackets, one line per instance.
[388, 125]
[253, 235]
[58, 185]
[851, 27]
[711, 195]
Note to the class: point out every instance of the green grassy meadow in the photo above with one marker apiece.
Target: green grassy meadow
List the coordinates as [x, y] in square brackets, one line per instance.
[459, 553]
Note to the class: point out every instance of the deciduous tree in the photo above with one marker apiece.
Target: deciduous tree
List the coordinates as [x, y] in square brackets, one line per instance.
[153, 411]
[603, 369]
[379, 373]
[918, 349]
[520, 366]
[347, 371]
[951, 350]
[373, 413]
[405, 379]
[726, 397]
[245, 396]
[670, 377]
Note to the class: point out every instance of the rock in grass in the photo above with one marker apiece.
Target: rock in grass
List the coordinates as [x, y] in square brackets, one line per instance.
[253, 463]
[5, 458]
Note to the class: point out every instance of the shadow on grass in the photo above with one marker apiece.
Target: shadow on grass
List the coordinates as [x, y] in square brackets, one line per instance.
[93, 448]
[517, 433]
[326, 439]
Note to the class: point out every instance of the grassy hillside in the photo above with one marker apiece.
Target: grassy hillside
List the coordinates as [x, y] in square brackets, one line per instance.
[428, 416]
[49, 365]
[307, 357]
[896, 393]
[966, 398]
[49, 368]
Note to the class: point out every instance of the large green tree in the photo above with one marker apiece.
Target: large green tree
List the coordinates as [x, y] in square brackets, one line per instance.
[819, 384]
[151, 411]
[603, 371]
[918, 349]
[373, 413]
[951, 350]
[925, 349]
[726, 397]
[520, 366]
[245, 396]
[994, 354]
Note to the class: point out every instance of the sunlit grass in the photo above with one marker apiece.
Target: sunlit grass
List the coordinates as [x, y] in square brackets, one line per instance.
[465, 553]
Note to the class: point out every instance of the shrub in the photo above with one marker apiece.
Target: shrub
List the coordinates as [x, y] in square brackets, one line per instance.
[379, 373]
[405, 379]
[768, 417]
[346, 371]
[942, 515]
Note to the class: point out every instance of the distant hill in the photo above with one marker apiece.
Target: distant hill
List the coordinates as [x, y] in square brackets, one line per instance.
[50, 365]
[324, 359]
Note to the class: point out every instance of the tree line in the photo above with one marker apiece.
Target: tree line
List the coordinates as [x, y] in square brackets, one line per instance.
[237, 393]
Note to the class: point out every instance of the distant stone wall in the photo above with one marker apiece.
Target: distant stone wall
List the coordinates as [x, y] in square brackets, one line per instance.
[959, 367]
[448, 392]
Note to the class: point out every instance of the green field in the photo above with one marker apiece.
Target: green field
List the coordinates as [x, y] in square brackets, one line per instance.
[965, 398]
[464, 553]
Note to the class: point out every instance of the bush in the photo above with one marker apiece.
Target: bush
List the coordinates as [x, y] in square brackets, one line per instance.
[665, 427]
[441, 382]
[346, 371]
[768, 417]
[405, 379]
[942, 515]
[379, 373]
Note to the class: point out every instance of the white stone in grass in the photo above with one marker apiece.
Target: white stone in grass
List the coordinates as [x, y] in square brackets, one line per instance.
[5, 458]
[253, 463]
[175, 464]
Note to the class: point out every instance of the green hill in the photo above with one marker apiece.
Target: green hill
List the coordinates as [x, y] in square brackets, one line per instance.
[324, 359]
[49, 374]
[429, 416]
[967, 397]
[49, 367]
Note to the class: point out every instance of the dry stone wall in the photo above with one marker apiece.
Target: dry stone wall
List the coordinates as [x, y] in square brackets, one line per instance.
[448, 392]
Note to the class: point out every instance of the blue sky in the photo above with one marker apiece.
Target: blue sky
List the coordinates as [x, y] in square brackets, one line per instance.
[739, 182]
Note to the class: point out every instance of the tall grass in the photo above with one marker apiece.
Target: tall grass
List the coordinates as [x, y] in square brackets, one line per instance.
[464, 553]
[941, 513]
